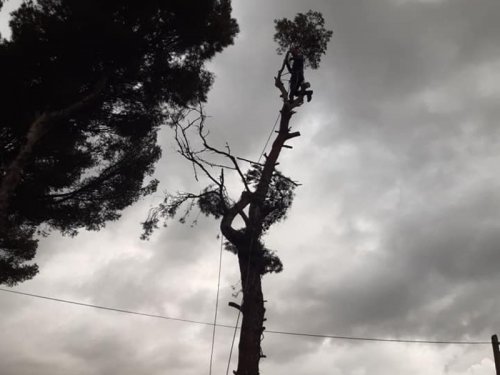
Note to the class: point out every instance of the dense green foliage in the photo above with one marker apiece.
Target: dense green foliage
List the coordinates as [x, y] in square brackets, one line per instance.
[141, 59]
[307, 32]
[278, 199]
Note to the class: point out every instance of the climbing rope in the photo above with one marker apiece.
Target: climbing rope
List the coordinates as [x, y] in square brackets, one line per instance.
[216, 304]
[269, 138]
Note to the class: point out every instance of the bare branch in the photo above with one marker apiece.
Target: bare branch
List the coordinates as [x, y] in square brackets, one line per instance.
[290, 180]
[250, 161]
[227, 220]
[214, 165]
[293, 135]
[219, 152]
[186, 150]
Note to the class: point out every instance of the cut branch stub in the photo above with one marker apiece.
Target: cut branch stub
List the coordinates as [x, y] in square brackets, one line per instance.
[293, 135]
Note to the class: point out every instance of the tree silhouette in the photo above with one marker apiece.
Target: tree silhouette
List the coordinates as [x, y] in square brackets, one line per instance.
[265, 199]
[85, 87]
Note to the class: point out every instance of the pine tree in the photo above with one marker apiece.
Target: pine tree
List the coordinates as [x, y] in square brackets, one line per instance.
[85, 87]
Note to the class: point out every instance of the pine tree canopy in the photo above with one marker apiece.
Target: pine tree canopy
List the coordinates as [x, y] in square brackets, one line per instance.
[138, 60]
[307, 32]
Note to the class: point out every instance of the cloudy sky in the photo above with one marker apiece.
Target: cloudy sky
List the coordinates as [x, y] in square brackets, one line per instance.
[395, 232]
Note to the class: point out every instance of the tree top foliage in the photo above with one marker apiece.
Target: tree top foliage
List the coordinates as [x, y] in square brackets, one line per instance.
[140, 60]
[306, 32]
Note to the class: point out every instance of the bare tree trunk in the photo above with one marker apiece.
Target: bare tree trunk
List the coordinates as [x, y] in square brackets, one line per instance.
[249, 254]
[253, 310]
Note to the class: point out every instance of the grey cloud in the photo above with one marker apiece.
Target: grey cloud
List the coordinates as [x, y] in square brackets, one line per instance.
[394, 232]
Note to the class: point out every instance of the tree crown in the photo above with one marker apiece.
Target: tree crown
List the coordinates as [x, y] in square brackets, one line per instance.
[307, 32]
[141, 59]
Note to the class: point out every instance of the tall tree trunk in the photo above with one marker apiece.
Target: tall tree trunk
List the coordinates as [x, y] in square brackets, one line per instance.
[249, 259]
[253, 314]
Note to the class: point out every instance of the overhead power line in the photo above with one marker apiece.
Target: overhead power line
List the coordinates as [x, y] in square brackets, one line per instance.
[113, 309]
[302, 334]
[354, 338]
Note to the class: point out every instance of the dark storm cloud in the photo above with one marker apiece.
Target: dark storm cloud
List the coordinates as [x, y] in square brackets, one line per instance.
[393, 53]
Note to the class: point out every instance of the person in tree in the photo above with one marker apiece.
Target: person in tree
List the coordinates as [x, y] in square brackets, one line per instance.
[298, 86]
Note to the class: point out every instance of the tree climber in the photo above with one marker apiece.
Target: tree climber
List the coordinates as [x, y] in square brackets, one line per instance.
[298, 87]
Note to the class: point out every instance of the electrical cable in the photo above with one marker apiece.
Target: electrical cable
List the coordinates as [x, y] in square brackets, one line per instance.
[354, 338]
[302, 334]
[110, 308]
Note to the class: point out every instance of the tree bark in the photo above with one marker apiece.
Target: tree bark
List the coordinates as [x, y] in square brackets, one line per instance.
[253, 311]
